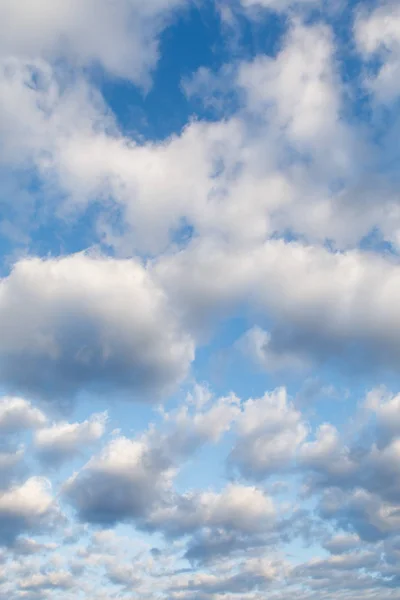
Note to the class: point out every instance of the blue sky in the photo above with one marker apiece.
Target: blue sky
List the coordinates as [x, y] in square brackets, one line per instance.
[199, 300]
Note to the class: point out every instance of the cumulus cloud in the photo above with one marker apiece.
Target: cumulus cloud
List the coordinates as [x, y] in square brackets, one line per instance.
[83, 322]
[377, 33]
[269, 432]
[18, 414]
[385, 406]
[327, 454]
[200, 177]
[299, 91]
[29, 507]
[133, 479]
[124, 482]
[256, 345]
[62, 441]
[243, 509]
[332, 311]
[341, 543]
[57, 30]
[49, 581]
[251, 575]
[214, 206]
[362, 512]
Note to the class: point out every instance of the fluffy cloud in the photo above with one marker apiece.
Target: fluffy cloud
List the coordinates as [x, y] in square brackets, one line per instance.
[201, 177]
[299, 92]
[323, 305]
[62, 441]
[124, 482]
[214, 206]
[238, 508]
[49, 581]
[377, 33]
[29, 507]
[362, 512]
[57, 30]
[256, 345]
[11, 465]
[342, 543]
[251, 575]
[82, 322]
[269, 430]
[18, 414]
[132, 479]
[328, 455]
[386, 409]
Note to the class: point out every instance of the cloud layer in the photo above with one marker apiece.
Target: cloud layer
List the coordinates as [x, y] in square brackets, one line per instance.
[199, 329]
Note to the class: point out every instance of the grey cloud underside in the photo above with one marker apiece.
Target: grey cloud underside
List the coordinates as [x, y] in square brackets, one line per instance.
[284, 163]
[82, 323]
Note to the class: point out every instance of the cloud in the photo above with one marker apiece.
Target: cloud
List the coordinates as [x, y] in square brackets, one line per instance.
[124, 482]
[324, 305]
[238, 508]
[200, 419]
[361, 512]
[62, 441]
[269, 432]
[342, 543]
[258, 215]
[277, 5]
[25, 508]
[56, 30]
[377, 33]
[385, 406]
[94, 324]
[29, 546]
[256, 345]
[328, 455]
[49, 581]
[132, 479]
[147, 192]
[299, 94]
[251, 575]
[18, 414]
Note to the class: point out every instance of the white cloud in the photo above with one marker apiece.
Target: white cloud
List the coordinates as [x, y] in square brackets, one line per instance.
[225, 179]
[327, 453]
[188, 429]
[83, 322]
[299, 93]
[133, 479]
[26, 507]
[322, 303]
[122, 483]
[49, 581]
[239, 508]
[377, 33]
[55, 29]
[12, 465]
[256, 345]
[18, 414]
[341, 543]
[269, 431]
[386, 408]
[62, 441]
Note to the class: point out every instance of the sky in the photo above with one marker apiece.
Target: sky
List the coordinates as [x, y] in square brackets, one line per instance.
[199, 300]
